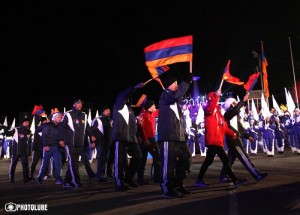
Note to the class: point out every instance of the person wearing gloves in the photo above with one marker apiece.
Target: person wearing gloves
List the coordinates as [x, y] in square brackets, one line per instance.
[174, 152]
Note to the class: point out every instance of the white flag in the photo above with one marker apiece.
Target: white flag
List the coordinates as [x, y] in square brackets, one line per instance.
[32, 126]
[277, 108]
[264, 107]
[254, 111]
[89, 117]
[13, 124]
[289, 102]
[97, 114]
[5, 122]
[200, 115]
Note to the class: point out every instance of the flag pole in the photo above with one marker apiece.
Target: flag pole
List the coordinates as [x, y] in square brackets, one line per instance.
[149, 81]
[221, 84]
[293, 69]
[191, 67]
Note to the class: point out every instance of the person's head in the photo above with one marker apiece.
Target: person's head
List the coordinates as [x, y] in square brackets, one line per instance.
[229, 102]
[252, 121]
[44, 119]
[56, 118]
[297, 111]
[77, 104]
[106, 111]
[54, 110]
[287, 114]
[171, 83]
[273, 111]
[25, 122]
[150, 105]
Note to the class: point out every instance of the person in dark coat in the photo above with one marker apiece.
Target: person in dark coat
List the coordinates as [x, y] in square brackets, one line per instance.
[21, 136]
[172, 138]
[125, 140]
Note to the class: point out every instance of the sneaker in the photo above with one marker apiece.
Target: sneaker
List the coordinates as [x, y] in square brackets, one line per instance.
[239, 182]
[142, 182]
[59, 181]
[11, 180]
[225, 180]
[26, 180]
[39, 180]
[201, 183]
[131, 183]
[261, 176]
[67, 185]
[122, 187]
[181, 189]
[78, 185]
[171, 194]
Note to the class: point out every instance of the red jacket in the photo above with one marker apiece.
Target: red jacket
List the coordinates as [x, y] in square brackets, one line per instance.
[146, 122]
[216, 126]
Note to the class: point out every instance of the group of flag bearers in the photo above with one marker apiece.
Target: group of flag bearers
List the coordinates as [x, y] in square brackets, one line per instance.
[270, 130]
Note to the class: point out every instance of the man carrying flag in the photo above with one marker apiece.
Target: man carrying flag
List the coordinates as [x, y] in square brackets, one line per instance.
[174, 153]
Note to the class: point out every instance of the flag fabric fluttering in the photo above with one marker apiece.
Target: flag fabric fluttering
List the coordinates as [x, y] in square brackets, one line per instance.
[166, 52]
[265, 111]
[254, 111]
[97, 114]
[32, 126]
[251, 82]
[169, 51]
[200, 115]
[276, 106]
[37, 110]
[264, 64]
[13, 124]
[89, 118]
[141, 101]
[155, 72]
[5, 122]
[229, 78]
[289, 102]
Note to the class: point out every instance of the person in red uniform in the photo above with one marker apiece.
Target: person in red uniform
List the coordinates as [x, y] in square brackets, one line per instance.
[148, 144]
[216, 129]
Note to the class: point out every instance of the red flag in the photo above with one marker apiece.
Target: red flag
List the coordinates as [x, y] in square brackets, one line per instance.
[141, 100]
[264, 64]
[169, 51]
[37, 110]
[251, 81]
[229, 78]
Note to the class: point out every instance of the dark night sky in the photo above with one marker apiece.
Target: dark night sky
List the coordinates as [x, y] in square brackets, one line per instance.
[92, 52]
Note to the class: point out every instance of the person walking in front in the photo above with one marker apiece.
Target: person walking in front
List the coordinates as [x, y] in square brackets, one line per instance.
[216, 128]
[172, 139]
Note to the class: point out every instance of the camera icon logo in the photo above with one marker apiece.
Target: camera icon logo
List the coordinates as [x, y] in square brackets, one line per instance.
[10, 207]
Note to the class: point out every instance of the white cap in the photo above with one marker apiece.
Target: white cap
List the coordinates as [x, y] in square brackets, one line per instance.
[55, 115]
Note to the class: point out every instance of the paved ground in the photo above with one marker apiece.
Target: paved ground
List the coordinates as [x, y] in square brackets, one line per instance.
[279, 193]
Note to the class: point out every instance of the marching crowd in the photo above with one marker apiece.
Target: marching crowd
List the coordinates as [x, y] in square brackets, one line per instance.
[122, 142]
